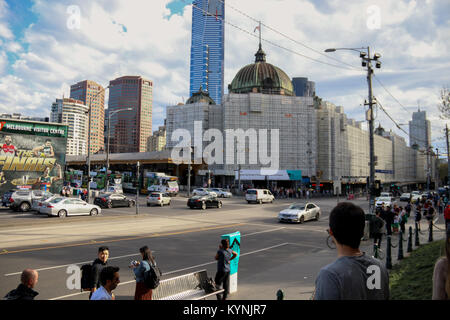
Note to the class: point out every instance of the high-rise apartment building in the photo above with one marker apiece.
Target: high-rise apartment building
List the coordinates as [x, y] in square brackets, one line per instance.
[420, 130]
[130, 129]
[74, 113]
[207, 48]
[157, 141]
[92, 95]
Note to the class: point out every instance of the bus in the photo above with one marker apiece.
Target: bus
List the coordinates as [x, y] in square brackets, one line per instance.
[160, 182]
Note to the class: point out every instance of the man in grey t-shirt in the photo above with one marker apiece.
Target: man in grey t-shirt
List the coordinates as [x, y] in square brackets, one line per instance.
[354, 275]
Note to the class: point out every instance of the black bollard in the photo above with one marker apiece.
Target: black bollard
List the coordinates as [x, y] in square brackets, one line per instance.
[430, 233]
[388, 253]
[400, 246]
[410, 240]
[417, 237]
[280, 294]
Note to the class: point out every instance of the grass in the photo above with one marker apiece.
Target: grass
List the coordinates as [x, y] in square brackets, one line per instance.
[411, 278]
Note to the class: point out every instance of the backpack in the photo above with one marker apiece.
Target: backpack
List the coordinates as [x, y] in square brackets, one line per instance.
[208, 285]
[86, 277]
[152, 277]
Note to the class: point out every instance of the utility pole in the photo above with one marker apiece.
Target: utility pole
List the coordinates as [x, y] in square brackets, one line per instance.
[137, 187]
[448, 156]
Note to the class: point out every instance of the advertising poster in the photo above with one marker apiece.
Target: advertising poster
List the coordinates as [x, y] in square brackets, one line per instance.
[32, 155]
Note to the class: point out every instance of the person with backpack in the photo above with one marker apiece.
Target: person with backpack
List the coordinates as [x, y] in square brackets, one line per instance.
[143, 272]
[90, 276]
[24, 291]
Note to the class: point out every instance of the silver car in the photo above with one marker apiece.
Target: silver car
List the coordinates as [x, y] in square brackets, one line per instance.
[221, 193]
[158, 198]
[300, 212]
[62, 207]
[39, 203]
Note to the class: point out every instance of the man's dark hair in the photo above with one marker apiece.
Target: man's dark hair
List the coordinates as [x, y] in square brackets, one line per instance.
[47, 140]
[225, 243]
[347, 223]
[101, 249]
[107, 273]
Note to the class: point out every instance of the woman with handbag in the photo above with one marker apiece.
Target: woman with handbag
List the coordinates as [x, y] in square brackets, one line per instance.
[139, 269]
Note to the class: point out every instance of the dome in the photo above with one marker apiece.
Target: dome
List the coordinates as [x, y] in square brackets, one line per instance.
[261, 77]
[200, 96]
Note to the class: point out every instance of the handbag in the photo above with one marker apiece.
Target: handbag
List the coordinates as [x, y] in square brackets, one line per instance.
[209, 285]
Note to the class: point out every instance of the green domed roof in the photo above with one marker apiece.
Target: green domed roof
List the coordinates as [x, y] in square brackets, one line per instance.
[200, 96]
[261, 77]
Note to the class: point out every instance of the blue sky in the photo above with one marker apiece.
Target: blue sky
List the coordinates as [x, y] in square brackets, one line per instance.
[41, 55]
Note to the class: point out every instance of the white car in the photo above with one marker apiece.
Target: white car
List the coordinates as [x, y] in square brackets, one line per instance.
[158, 199]
[63, 207]
[38, 204]
[221, 193]
[300, 212]
[387, 201]
[203, 192]
[259, 196]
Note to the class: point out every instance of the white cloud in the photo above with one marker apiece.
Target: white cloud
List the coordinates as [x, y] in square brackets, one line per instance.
[134, 37]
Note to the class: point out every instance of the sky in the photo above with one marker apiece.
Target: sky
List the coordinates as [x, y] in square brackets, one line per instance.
[47, 45]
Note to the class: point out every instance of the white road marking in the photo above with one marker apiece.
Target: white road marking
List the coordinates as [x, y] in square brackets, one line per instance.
[176, 271]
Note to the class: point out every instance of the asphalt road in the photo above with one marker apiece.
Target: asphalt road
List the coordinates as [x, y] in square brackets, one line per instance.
[273, 255]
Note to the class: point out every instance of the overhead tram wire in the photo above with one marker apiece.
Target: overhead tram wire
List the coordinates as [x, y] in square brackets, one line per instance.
[404, 108]
[273, 43]
[288, 37]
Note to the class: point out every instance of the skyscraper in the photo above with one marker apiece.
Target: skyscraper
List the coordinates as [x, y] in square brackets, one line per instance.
[420, 130]
[130, 129]
[90, 92]
[207, 48]
[303, 87]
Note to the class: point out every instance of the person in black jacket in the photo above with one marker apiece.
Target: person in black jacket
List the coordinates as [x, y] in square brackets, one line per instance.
[97, 267]
[25, 290]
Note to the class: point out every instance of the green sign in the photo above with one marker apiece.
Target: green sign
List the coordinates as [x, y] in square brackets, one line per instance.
[37, 129]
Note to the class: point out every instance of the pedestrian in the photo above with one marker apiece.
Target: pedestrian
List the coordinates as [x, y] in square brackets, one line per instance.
[24, 291]
[109, 279]
[140, 268]
[447, 218]
[440, 206]
[377, 228]
[441, 275]
[418, 216]
[403, 220]
[388, 216]
[408, 209]
[97, 266]
[350, 276]
[223, 257]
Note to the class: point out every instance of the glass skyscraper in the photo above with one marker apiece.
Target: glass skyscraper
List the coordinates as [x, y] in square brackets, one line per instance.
[207, 48]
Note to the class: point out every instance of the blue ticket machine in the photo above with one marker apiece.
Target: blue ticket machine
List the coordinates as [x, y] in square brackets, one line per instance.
[235, 245]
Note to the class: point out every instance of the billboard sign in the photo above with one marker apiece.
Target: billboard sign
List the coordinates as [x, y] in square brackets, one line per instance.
[32, 155]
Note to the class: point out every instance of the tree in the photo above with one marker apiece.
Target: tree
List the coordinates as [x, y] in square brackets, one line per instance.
[444, 103]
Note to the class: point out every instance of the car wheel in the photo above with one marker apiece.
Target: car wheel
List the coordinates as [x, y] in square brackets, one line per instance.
[148, 204]
[219, 204]
[169, 203]
[302, 219]
[203, 206]
[131, 203]
[24, 207]
[94, 212]
[109, 205]
[248, 201]
[161, 204]
[62, 213]
[317, 216]
[260, 201]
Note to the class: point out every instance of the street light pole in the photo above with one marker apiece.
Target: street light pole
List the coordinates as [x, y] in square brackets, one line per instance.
[109, 135]
[367, 62]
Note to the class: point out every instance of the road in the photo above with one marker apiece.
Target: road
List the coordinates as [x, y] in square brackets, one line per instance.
[273, 255]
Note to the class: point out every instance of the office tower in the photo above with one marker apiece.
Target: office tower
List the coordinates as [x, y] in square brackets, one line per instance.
[420, 130]
[303, 87]
[92, 94]
[73, 113]
[130, 129]
[207, 48]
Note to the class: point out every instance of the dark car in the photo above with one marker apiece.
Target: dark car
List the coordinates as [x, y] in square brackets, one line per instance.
[204, 202]
[113, 200]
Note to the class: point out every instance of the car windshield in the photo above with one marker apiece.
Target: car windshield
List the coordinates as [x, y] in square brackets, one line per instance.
[251, 191]
[405, 195]
[155, 195]
[385, 199]
[297, 206]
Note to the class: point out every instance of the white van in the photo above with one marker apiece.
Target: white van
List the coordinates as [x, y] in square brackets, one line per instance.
[259, 196]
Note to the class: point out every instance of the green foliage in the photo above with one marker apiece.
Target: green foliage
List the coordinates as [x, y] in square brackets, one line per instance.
[412, 278]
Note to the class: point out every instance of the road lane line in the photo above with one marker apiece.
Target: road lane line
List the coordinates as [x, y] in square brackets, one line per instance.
[75, 263]
[128, 255]
[179, 270]
[153, 235]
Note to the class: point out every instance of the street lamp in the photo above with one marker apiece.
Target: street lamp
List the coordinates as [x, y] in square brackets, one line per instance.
[367, 62]
[109, 135]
